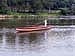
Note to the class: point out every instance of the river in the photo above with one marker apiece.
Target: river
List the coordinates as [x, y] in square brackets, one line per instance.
[53, 42]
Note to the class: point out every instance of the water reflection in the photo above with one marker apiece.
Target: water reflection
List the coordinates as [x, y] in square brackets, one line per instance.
[53, 42]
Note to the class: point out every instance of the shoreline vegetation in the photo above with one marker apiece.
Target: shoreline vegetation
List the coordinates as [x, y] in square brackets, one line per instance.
[23, 8]
[11, 14]
[6, 16]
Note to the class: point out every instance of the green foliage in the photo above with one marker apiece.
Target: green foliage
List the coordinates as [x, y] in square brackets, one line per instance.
[3, 11]
[33, 6]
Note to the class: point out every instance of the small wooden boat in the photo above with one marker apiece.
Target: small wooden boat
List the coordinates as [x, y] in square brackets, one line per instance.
[32, 28]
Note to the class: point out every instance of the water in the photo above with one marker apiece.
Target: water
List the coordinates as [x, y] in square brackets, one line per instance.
[54, 42]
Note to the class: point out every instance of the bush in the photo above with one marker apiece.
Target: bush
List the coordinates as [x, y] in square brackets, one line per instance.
[15, 16]
[3, 11]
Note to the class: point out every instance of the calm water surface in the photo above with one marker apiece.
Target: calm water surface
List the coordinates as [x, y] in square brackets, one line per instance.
[54, 42]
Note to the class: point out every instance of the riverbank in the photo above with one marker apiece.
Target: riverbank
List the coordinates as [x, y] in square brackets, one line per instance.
[27, 15]
[28, 21]
[19, 20]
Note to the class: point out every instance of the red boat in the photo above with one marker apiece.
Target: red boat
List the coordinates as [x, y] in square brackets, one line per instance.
[33, 28]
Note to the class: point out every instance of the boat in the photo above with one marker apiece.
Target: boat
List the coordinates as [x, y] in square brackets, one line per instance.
[33, 28]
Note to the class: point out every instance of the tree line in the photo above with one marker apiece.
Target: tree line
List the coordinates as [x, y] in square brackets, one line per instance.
[34, 6]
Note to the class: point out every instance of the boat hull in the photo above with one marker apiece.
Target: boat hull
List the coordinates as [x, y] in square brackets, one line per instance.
[32, 28]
